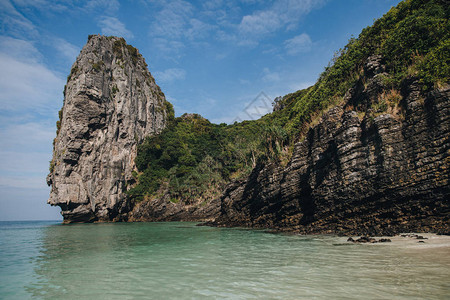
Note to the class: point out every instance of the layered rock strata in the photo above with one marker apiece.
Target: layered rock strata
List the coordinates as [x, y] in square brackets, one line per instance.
[358, 171]
[162, 209]
[376, 164]
[111, 103]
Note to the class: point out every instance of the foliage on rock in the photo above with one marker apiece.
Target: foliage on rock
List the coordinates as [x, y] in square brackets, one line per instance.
[192, 155]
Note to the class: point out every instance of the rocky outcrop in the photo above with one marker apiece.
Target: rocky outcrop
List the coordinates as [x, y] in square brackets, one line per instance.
[111, 103]
[162, 209]
[377, 164]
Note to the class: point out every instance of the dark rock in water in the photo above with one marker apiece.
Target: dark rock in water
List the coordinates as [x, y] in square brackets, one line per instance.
[111, 104]
[357, 172]
[363, 239]
[421, 242]
[418, 237]
[366, 239]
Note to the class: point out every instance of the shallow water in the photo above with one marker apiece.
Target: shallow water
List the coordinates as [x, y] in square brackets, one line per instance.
[44, 260]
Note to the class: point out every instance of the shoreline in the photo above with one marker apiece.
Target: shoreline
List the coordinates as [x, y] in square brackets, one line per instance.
[413, 240]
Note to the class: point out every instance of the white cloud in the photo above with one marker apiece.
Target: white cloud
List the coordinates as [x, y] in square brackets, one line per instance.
[282, 14]
[298, 44]
[47, 5]
[32, 3]
[226, 36]
[186, 24]
[170, 75]
[220, 56]
[168, 48]
[104, 6]
[174, 27]
[270, 76]
[19, 49]
[25, 153]
[260, 23]
[112, 26]
[244, 81]
[42, 5]
[292, 10]
[18, 136]
[25, 82]
[29, 91]
[68, 50]
[14, 22]
[172, 21]
[198, 29]
[212, 4]
[27, 86]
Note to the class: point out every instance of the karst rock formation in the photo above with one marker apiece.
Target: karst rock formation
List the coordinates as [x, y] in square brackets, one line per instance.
[111, 103]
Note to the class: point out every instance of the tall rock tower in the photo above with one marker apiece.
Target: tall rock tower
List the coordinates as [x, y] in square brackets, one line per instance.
[111, 103]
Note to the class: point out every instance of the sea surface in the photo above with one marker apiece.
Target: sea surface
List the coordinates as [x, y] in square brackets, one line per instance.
[177, 260]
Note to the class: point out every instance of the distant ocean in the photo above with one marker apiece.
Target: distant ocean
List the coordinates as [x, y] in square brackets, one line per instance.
[46, 260]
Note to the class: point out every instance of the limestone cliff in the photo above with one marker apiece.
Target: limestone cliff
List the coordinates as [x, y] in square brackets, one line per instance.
[111, 103]
[358, 171]
[376, 163]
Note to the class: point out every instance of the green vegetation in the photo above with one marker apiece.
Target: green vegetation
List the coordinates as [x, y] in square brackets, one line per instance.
[193, 159]
[98, 65]
[119, 46]
[52, 166]
[73, 71]
[134, 54]
[184, 157]
[58, 123]
[169, 111]
[413, 39]
[412, 36]
[388, 101]
[58, 128]
[114, 90]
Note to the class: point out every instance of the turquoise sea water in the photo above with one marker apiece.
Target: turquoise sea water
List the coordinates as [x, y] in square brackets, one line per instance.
[45, 260]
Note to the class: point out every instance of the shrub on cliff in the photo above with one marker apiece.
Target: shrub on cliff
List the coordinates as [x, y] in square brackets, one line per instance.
[193, 156]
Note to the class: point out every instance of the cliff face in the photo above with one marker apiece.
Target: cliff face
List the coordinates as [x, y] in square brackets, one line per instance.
[162, 209]
[111, 103]
[376, 163]
[357, 172]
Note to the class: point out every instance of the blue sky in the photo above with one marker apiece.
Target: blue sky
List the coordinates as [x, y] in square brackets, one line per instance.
[209, 57]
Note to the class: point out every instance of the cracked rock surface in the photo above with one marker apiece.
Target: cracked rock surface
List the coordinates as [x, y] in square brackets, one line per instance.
[111, 103]
[357, 172]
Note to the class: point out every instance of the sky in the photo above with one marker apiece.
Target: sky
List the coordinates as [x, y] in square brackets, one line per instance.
[209, 57]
